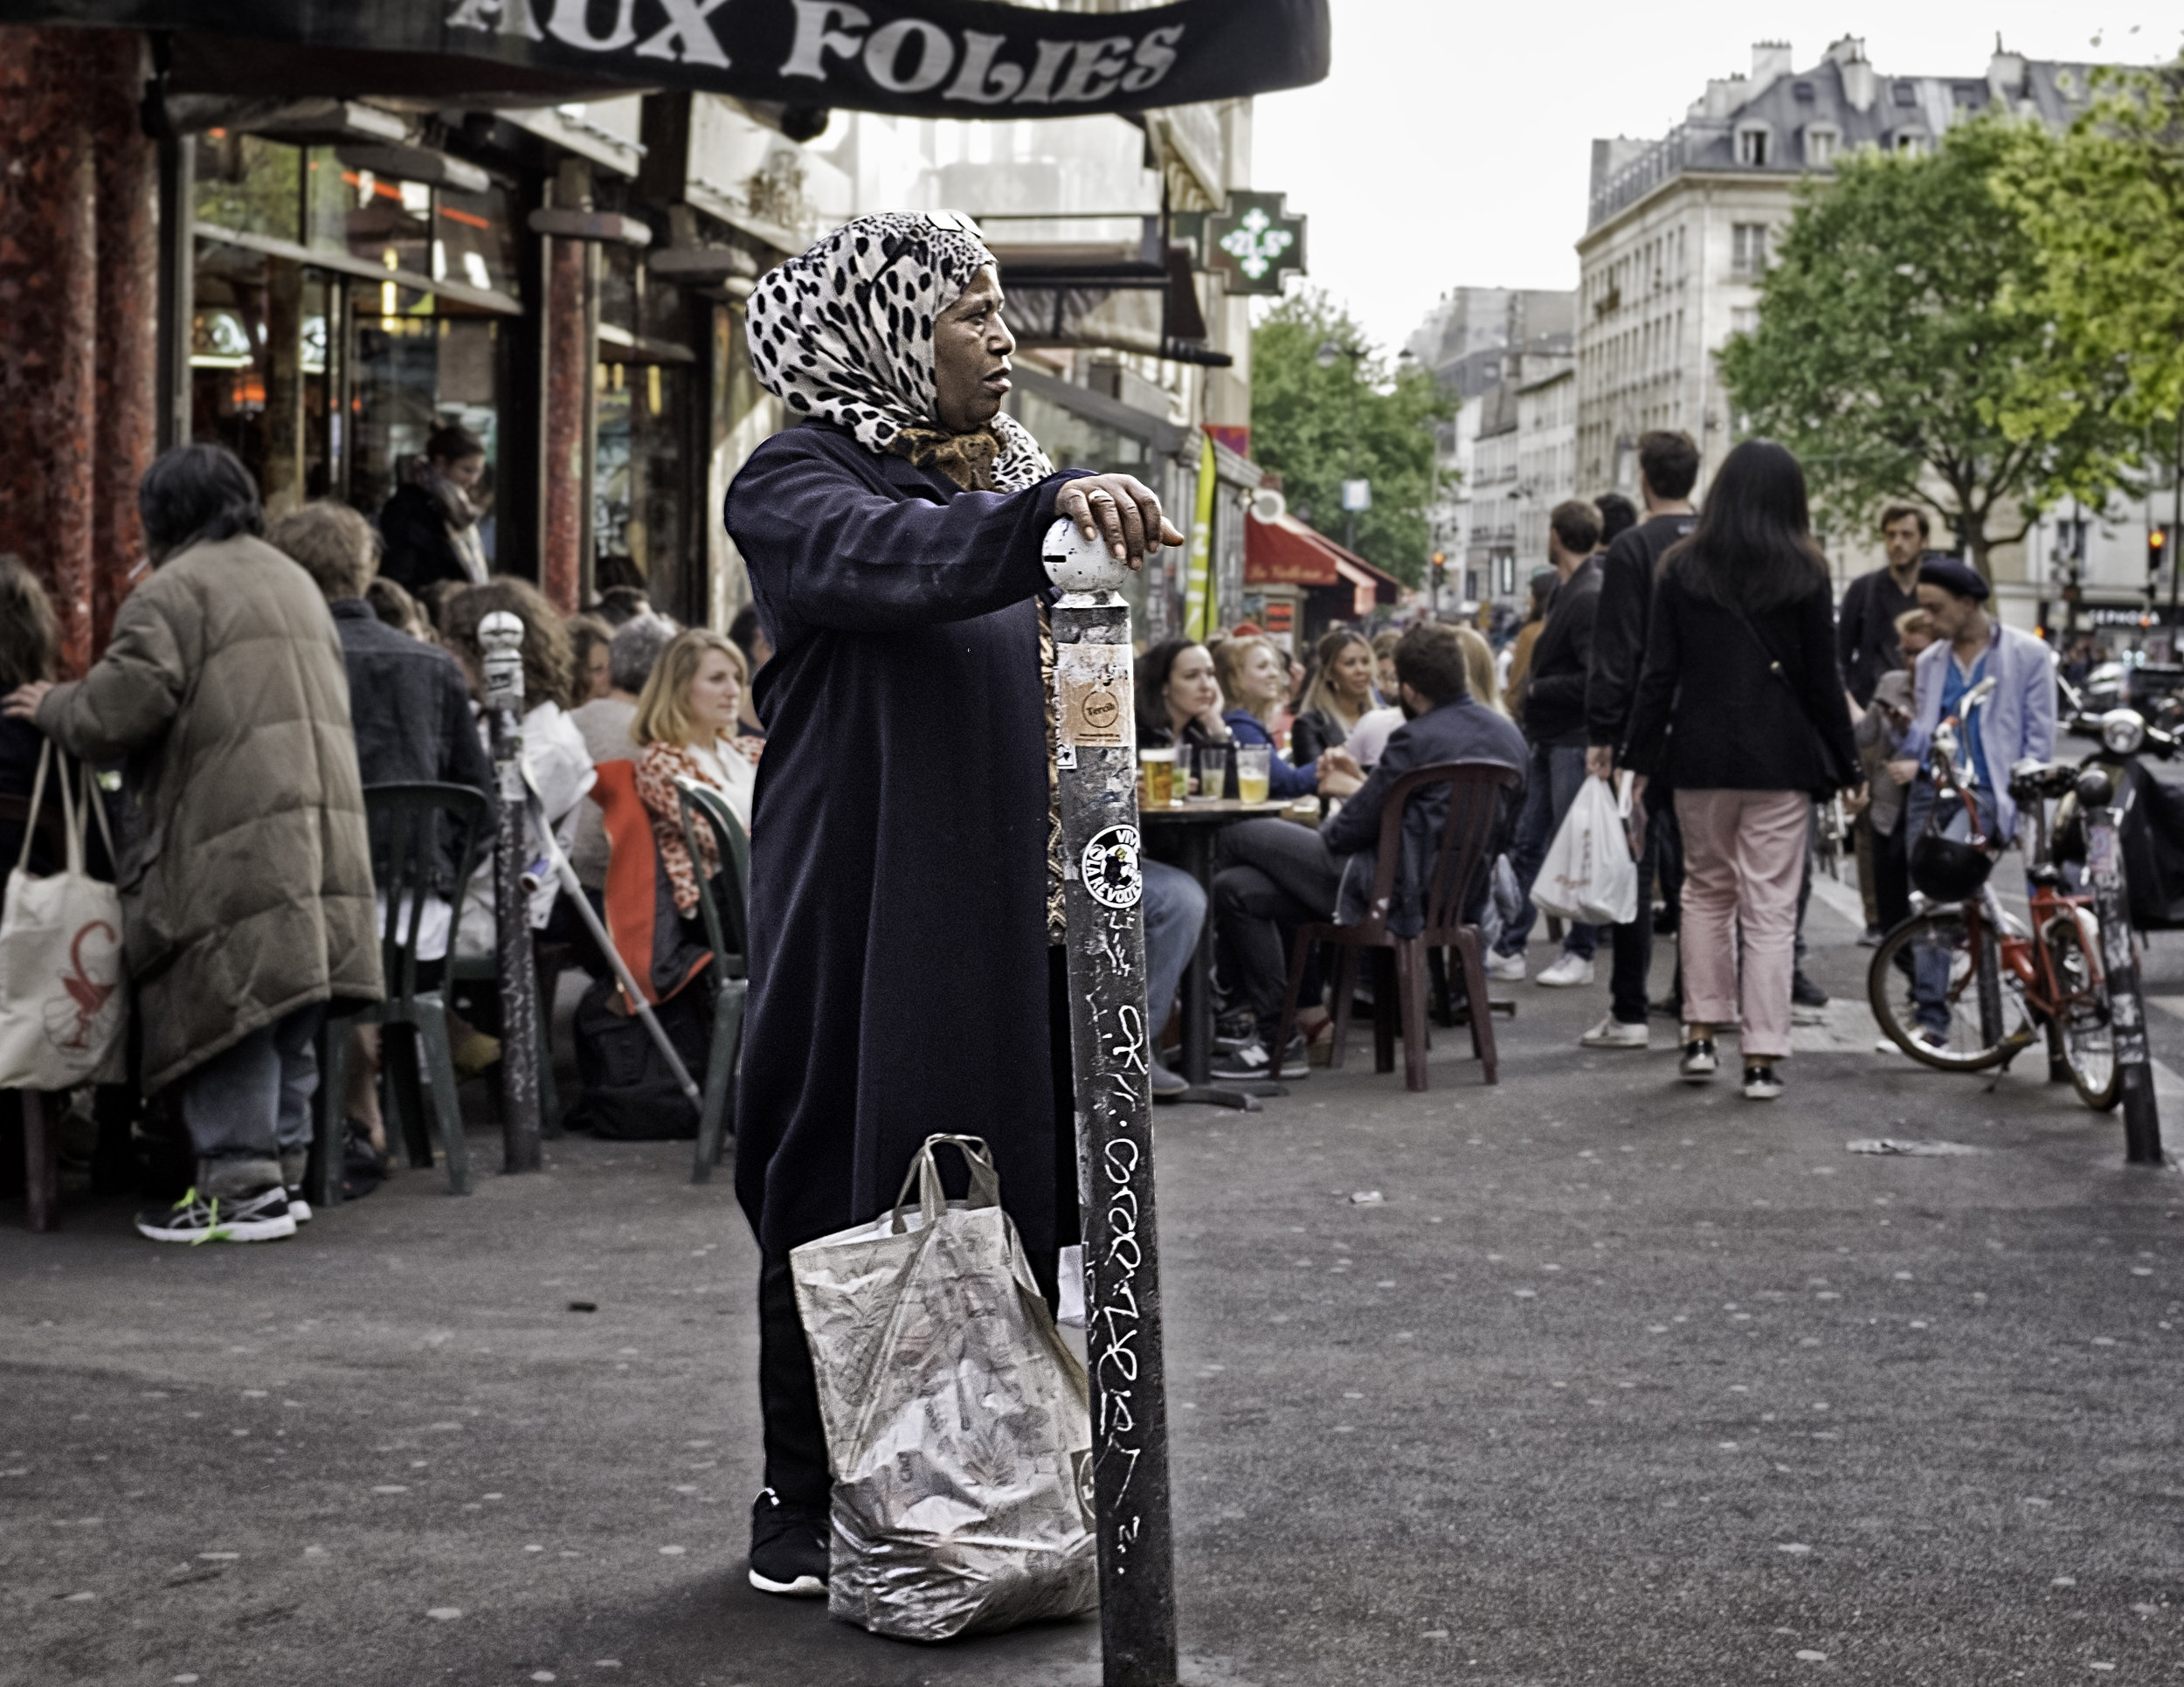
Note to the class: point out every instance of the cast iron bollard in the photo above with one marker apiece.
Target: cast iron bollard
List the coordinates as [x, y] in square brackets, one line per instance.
[2126, 1006]
[1111, 1046]
[501, 634]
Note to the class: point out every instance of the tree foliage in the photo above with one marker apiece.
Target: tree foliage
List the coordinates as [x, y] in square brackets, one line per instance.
[1895, 353]
[2106, 205]
[1300, 429]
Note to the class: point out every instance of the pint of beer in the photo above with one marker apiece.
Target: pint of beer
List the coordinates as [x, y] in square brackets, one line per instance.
[1253, 771]
[1158, 787]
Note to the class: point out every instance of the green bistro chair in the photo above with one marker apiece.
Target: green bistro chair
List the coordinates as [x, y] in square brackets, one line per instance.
[410, 818]
[722, 898]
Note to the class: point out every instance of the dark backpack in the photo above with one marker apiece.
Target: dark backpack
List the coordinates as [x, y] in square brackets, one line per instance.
[630, 1094]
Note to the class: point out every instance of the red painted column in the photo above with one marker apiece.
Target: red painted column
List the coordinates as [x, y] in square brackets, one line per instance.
[568, 368]
[49, 288]
[128, 380]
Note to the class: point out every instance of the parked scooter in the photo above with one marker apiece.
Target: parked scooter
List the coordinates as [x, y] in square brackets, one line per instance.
[2151, 811]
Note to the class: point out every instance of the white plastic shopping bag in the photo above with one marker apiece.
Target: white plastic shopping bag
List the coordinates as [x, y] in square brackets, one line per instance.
[1588, 876]
[958, 1425]
[61, 996]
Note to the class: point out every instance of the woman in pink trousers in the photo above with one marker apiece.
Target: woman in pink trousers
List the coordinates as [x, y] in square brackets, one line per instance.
[1740, 705]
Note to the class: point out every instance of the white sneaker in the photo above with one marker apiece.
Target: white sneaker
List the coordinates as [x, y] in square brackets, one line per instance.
[1611, 1032]
[1505, 969]
[1567, 971]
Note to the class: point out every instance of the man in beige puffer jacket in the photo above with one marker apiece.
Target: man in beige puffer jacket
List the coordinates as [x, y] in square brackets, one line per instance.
[246, 879]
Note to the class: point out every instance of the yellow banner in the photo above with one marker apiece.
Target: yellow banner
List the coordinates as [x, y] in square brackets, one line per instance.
[1197, 579]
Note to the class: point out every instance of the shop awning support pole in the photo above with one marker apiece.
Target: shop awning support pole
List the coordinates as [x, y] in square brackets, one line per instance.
[1111, 1048]
[501, 634]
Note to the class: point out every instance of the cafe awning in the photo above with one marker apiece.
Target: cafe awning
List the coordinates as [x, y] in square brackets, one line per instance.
[962, 59]
[1286, 552]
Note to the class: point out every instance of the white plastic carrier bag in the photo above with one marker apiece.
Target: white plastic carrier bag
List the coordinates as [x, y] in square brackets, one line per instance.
[958, 1425]
[1588, 876]
[62, 998]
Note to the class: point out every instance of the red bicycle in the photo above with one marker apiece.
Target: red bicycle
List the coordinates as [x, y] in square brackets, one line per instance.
[1963, 984]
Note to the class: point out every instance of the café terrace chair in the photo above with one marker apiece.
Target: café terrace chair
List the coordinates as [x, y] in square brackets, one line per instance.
[722, 900]
[1461, 857]
[411, 818]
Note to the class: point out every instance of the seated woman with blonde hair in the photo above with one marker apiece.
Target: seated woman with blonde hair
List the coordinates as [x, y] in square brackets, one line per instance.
[686, 728]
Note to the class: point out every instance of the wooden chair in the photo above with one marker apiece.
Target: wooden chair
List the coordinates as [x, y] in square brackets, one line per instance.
[1459, 860]
[723, 900]
[409, 816]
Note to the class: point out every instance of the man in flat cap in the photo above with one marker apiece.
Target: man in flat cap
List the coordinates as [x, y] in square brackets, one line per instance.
[2017, 720]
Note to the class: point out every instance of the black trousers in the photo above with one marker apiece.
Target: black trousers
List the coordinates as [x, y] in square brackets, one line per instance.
[796, 1469]
[1662, 855]
[1273, 876]
[1891, 876]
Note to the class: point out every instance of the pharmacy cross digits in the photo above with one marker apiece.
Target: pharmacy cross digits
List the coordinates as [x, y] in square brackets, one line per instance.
[1255, 242]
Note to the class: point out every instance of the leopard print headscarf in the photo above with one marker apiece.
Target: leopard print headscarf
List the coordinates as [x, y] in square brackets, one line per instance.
[846, 332]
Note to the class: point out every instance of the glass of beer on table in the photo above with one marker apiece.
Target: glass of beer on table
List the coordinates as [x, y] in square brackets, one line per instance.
[1253, 763]
[1159, 783]
[1212, 784]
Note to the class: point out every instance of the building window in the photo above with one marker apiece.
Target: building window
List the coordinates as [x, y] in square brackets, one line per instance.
[1914, 143]
[1747, 249]
[1819, 146]
[1906, 93]
[1743, 318]
[1752, 149]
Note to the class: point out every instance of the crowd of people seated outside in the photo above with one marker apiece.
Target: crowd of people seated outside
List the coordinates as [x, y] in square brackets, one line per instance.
[257, 684]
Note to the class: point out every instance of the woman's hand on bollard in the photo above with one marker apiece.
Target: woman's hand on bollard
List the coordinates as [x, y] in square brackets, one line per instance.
[21, 703]
[1119, 508]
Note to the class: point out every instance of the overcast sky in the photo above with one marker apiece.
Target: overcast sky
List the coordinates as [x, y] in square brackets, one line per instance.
[1451, 146]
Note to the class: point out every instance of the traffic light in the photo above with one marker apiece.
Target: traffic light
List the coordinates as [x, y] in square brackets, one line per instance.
[2157, 551]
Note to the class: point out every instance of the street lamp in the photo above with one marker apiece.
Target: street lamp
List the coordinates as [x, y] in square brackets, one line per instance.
[1356, 494]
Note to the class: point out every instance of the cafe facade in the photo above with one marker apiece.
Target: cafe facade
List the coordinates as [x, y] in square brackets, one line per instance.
[317, 251]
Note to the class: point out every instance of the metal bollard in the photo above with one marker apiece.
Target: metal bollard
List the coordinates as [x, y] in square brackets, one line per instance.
[1110, 1041]
[2126, 1005]
[501, 634]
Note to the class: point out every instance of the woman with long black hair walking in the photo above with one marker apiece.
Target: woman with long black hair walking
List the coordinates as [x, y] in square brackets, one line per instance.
[1741, 683]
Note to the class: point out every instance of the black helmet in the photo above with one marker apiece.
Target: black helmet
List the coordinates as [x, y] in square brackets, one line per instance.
[1950, 869]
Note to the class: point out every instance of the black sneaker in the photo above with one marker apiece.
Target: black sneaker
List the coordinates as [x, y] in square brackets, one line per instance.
[1870, 937]
[1238, 1028]
[1804, 992]
[1251, 1063]
[195, 1218]
[1762, 1082]
[787, 1549]
[1700, 1063]
[299, 1209]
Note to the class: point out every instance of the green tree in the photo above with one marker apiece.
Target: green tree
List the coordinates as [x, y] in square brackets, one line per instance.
[1301, 430]
[1890, 356]
[2105, 205]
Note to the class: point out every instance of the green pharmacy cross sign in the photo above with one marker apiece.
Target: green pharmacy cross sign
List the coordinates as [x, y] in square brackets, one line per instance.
[1255, 243]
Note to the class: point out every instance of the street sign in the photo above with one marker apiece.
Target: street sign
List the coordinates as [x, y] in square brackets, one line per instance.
[1357, 494]
[1111, 1052]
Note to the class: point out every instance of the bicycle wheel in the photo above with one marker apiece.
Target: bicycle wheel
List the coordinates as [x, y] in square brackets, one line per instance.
[2082, 1019]
[1937, 956]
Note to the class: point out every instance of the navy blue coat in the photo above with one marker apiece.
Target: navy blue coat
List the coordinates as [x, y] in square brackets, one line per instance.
[898, 894]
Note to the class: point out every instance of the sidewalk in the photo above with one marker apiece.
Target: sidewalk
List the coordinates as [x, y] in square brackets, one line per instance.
[1618, 1381]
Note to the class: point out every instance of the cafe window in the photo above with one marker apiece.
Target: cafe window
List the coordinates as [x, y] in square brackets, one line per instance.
[642, 394]
[328, 379]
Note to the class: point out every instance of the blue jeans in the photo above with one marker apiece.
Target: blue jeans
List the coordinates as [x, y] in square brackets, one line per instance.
[1551, 783]
[249, 1107]
[1929, 962]
[1175, 913]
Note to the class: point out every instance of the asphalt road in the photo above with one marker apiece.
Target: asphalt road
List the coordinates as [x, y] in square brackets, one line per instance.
[1618, 1382]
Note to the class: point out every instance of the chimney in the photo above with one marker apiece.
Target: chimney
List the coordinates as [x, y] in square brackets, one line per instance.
[1770, 63]
[1860, 86]
[2006, 72]
[1849, 50]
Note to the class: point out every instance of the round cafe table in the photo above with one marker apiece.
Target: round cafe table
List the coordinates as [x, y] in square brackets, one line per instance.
[1193, 825]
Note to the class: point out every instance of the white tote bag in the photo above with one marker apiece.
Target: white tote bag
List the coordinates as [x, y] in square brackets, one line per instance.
[1588, 876]
[61, 995]
[957, 1424]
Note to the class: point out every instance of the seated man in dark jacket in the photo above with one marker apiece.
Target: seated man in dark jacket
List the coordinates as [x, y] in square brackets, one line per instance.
[411, 711]
[1276, 875]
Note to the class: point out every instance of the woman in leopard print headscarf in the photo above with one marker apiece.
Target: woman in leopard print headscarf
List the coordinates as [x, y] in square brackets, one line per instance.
[901, 983]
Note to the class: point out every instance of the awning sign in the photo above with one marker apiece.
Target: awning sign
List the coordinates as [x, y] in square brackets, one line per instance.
[965, 59]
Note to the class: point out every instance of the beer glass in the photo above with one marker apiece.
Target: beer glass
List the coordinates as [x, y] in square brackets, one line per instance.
[1212, 784]
[1159, 767]
[1253, 763]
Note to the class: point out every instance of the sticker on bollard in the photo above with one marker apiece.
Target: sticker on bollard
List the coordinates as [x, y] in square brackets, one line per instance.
[1110, 1041]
